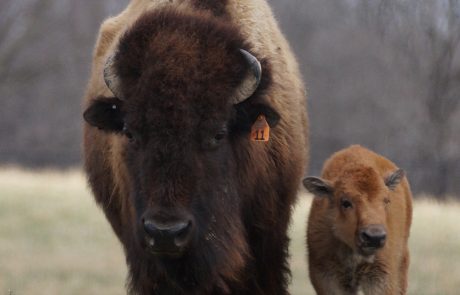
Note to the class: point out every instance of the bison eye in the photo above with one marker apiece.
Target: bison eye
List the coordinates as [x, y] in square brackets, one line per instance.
[128, 134]
[346, 204]
[221, 135]
[132, 140]
[215, 140]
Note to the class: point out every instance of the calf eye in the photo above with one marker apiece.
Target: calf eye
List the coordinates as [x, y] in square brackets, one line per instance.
[346, 204]
[386, 201]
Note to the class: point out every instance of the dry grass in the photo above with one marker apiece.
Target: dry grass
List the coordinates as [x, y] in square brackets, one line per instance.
[54, 240]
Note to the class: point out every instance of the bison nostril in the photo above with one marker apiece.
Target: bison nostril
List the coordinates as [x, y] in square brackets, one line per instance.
[373, 236]
[183, 235]
[364, 236]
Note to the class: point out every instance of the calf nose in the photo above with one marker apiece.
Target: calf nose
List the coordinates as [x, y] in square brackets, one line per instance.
[168, 237]
[373, 236]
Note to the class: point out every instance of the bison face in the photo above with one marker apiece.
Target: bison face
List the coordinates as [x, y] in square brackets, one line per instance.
[185, 100]
[359, 202]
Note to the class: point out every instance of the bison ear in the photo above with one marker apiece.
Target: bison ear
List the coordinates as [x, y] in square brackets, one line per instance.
[247, 114]
[105, 114]
[270, 114]
[394, 179]
[318, 187]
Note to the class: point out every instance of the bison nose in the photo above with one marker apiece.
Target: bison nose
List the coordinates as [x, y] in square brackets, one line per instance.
[373, 236]
[167, 238]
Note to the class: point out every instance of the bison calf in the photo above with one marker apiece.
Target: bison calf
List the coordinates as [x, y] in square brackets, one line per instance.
[359, 224]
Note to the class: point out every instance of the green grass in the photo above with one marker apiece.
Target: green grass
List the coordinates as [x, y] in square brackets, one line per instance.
[54, 240]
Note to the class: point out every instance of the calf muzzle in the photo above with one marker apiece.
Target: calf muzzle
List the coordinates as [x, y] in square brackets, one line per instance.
[372, 237]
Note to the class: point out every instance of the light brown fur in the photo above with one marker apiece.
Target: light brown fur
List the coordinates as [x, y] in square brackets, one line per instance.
[335, 263]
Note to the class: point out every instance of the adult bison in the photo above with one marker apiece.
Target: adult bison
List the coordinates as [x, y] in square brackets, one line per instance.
[177, 90]
[359, 225]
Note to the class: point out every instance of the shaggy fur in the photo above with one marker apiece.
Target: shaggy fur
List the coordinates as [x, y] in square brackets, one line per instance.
[378, 196]
[218, 8]
[182, 146]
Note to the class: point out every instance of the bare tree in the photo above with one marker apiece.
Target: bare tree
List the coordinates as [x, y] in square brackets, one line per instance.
[17, 29]
[45, 56]
[382, 73]
[426, 38]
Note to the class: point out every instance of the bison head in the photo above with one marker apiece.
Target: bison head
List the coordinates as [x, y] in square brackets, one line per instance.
[359, 201]
[186, 93]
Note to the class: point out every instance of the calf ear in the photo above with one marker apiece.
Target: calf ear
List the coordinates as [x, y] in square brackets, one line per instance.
[318, 187]
[105, 114]
[394, 179]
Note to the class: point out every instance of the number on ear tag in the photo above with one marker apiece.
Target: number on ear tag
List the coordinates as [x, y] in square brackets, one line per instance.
[260, 130]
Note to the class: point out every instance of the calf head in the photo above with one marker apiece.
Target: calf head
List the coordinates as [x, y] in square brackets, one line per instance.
[186, 93]
[359, 200]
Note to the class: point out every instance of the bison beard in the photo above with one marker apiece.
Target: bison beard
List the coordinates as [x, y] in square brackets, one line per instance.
[172, 147]
[214, 259]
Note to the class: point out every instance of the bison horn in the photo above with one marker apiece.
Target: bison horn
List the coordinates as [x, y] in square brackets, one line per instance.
[111, 77]
[252, 80]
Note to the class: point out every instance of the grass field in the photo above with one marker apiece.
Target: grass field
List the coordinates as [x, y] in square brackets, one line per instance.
[54, 240]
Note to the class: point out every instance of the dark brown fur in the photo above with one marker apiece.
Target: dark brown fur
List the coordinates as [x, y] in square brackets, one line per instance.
[178, 72]
[216, 6]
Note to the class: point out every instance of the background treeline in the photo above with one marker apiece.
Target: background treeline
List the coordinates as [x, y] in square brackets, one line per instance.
[383, 73]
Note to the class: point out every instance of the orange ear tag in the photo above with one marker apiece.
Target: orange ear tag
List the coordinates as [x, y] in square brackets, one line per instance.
[260, 130]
